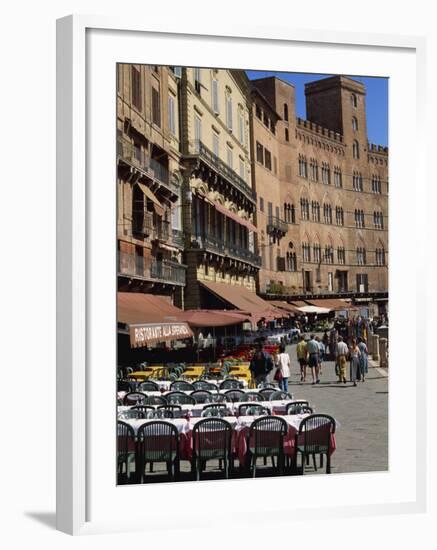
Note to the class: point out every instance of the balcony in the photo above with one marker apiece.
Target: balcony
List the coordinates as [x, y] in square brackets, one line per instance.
[198, 148]
[276, 226]
[138, 158]
[164, 271]
[218, 246]
[142, 224]
[161, 232]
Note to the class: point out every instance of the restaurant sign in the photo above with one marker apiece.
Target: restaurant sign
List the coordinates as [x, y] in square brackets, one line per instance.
[143, 335]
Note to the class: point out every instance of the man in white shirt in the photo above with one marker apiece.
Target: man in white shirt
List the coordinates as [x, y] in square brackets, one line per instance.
[342, 353]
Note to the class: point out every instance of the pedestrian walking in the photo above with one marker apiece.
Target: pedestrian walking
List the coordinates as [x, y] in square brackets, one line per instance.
[321, 353]
[342, 353]
[313, 358]
[354, 355]
[364, 352]
[325, 341]
[302, 357]
[283, 366]
[260, 365]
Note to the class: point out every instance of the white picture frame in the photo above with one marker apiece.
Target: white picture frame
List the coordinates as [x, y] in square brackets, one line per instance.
[78, 302]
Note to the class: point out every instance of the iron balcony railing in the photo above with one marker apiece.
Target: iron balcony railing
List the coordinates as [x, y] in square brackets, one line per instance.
[155, 270]
[275, 224]
[137, 157]
[199, 148]
[217, 245]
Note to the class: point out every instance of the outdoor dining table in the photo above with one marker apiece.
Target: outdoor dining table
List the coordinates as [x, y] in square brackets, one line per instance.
[240, 434]
[121, 394]
[276, 406]
[165, 384]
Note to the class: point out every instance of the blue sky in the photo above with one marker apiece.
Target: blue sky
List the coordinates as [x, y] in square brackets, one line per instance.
[376, 99]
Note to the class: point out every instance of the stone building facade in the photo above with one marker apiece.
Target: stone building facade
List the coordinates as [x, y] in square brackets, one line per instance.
[149, 222]
[219, 182]
[333, 192]
[218, 199]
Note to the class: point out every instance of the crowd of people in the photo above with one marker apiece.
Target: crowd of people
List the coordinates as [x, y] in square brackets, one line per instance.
[311, 354]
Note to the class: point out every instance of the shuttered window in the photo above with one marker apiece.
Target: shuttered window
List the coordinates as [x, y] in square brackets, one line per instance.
[136, 88]
[229, 112]
[156, 107]
[215, 97]
[171, 115]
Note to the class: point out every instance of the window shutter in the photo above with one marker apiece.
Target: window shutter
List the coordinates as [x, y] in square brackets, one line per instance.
[215, 100]
[229, 112]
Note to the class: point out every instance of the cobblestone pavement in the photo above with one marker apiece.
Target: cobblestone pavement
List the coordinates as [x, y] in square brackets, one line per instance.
[362, 411]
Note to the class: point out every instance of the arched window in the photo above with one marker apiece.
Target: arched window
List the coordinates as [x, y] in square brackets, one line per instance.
[286, 112]
[354, 101]
[354, 124]
[287, 135]
[356, 150]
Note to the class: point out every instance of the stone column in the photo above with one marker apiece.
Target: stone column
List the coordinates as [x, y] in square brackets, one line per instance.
[383, 347]
[375, 347]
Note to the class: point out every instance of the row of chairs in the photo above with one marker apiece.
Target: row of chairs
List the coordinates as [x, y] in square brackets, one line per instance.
[216, 409]
[181, 385]
[204, 396]
[158, 441]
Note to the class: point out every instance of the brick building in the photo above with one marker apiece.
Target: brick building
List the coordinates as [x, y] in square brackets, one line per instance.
[219, 202]
[333, 192]
[219, 184]
[149, 224]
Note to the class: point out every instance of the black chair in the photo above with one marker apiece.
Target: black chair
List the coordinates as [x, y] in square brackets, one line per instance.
[125, 450]
[155, 400]
[211, 441]
[280, 396]
[231, 384]
[205, 385]
[266, 439]
[298, 407]
[251, 396]
[158, 441]
[160, 413]
[170, 407]
[253, 409]
[216, 410]
[149, 385]
[201, 396]
[266, 392]
[267, 386]
[181, 385]
[314, 438]
[218, 398]
[124, 385]
[145, 409]
[179, 398]
[135, 398]
[234, 395]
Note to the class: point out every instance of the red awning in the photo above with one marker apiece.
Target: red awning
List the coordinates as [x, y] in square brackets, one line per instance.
[213, 318]
[150, 319]
[244, 300]
[330, 303]
[235, 217]
[289, 308]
